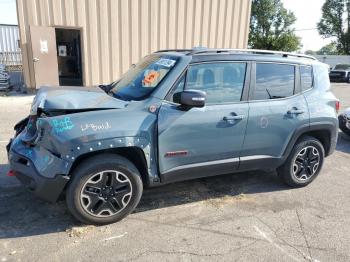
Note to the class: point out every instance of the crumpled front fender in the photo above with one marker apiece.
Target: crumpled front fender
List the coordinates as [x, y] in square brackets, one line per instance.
[68, 137]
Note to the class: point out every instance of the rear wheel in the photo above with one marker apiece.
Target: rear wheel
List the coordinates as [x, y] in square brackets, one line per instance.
[304, 162]
[104, 189]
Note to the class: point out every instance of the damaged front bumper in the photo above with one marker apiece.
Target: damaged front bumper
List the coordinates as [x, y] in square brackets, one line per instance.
[36, 168]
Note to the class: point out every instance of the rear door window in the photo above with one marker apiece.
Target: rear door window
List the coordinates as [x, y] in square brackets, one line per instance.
[274, 81]
[306, 77]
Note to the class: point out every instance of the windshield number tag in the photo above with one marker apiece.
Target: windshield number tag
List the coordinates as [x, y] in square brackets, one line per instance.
[166, 62]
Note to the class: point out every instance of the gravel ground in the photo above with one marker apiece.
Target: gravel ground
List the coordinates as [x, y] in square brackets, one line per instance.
[240, 217]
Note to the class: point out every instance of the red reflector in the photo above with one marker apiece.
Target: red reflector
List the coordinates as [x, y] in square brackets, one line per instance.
[337, 106]
[11, 173]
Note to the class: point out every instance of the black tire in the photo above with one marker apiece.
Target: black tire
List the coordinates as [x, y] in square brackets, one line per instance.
[290, 171]
[342, 125]
[93, 175]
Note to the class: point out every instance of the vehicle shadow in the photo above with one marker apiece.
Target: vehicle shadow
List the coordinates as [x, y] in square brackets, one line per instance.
[215, 187]
[22, 214]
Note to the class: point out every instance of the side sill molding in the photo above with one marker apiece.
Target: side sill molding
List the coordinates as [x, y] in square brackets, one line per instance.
[192, 171]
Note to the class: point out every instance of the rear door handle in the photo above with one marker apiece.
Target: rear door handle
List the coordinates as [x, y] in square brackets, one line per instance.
[295, 112]
[233, 118]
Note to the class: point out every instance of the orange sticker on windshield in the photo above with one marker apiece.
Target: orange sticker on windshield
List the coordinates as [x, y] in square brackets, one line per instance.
[151, 77]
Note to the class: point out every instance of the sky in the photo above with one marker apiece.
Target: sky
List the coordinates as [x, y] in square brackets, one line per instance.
[308, 13]
[8, 13]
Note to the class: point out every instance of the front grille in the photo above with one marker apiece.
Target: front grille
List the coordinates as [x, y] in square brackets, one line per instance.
[337, 74]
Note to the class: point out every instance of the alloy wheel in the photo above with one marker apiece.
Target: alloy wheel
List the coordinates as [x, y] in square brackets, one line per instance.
[106, 193]
[306, 163]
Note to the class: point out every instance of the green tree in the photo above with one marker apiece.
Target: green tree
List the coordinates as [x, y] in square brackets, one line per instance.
[335, 22]
[330, 49]
[271, 27]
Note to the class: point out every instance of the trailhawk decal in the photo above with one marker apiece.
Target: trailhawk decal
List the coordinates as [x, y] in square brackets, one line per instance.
[176, 153]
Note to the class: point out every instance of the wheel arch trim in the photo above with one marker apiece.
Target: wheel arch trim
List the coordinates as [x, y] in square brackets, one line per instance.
[133, 148]
[323, 127]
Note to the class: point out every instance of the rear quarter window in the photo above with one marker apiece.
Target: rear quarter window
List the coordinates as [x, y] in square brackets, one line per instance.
[306, 77]
[321, 77]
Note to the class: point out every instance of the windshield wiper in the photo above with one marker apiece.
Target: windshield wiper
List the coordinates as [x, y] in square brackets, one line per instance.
[118, 96]
[273, 96]
[106, 88]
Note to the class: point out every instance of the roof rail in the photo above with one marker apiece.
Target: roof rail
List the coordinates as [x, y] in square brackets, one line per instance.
[174, 50]
[189, 51]
[202, 50]
[253, 51]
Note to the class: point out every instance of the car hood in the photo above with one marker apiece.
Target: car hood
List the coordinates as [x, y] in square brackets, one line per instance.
[70, 99]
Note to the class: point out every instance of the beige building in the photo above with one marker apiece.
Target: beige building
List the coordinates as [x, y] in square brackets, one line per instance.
[89, 42]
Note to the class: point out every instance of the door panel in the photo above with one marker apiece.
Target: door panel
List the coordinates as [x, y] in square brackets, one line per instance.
[273, 120]
[43, 44]
[200, 134]
[272, 123]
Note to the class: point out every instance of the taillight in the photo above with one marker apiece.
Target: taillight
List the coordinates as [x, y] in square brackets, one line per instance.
[337, 106]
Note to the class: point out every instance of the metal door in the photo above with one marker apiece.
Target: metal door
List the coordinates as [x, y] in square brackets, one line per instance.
[44, 59]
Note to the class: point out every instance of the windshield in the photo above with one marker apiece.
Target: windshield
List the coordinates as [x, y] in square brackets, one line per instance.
[342, 67]
[143, 78]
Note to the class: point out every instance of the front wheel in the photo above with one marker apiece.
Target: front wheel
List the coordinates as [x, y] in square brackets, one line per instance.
[104, 189]
[304, 162]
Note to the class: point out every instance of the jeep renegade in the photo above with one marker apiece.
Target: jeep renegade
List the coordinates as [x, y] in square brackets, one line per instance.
[176, 115]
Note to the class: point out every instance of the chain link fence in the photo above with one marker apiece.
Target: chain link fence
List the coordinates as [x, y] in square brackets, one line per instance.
[13, 65]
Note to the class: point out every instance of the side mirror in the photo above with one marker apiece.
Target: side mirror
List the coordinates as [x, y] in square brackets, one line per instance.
[190, 98]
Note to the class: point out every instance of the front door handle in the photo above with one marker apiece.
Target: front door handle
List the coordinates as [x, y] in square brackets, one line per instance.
[295, 111]
[35, 59]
